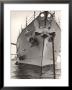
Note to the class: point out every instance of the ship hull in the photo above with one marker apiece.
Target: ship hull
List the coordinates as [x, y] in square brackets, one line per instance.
[39, 52]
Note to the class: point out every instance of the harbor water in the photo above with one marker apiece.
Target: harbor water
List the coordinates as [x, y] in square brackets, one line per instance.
[28, 71]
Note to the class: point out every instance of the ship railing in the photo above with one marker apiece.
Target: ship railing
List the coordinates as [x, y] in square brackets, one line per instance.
[32, 18]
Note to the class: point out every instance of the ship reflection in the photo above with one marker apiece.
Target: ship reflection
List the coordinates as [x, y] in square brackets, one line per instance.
[27, 71]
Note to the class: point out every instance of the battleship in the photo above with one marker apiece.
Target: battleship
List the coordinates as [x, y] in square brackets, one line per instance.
[39, 42]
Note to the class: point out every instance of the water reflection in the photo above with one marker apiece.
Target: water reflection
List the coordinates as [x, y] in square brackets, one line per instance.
[27, 71]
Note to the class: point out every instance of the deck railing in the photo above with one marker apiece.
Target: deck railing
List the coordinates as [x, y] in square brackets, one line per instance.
[32, 18]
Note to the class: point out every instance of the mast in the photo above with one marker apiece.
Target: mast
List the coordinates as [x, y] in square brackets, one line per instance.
[26, 21]
[34, 14]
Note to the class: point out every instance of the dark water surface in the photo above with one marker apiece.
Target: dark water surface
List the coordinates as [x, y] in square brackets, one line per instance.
[27, 71]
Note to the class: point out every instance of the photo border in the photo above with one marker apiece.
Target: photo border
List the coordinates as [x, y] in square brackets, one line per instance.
[2, 29]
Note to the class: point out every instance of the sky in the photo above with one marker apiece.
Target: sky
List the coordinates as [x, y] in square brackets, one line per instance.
[18, 21]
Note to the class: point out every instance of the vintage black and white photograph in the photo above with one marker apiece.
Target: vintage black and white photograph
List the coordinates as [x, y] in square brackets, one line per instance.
[35, 46]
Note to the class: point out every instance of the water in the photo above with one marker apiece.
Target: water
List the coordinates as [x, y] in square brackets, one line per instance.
[26, 71]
